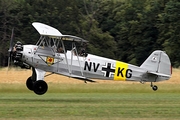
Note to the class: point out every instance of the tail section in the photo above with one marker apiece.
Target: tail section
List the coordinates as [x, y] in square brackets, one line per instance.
[158, 63]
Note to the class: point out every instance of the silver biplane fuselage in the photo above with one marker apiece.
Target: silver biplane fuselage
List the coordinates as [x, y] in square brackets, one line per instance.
[92, 66]
[46, 57]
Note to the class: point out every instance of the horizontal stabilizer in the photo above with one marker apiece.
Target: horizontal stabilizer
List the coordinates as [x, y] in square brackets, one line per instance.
[160, 74]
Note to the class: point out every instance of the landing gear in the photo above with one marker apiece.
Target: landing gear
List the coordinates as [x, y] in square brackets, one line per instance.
[154, 87]
[30, 83]
[36, 82]
[40, 87]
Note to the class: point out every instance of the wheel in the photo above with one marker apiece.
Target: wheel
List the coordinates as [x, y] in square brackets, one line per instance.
[29, 83]
[40, 87]
[154, 87]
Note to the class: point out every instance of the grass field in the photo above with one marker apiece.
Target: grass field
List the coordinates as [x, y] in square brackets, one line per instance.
[69, 99]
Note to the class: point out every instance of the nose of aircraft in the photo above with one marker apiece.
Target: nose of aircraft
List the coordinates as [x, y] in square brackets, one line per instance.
[14, 51]
[17, 52]
[16, 55]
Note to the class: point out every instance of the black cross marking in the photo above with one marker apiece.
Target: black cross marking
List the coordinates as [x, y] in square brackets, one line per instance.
[108, 70]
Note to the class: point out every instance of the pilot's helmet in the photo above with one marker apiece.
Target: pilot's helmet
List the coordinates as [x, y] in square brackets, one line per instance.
[18, 43]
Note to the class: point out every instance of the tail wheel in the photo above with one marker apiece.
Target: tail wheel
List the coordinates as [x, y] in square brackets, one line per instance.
[30, 83]
[154, 87]
[40, 87]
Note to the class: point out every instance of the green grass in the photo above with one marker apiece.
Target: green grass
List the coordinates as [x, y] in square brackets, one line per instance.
[90, 102]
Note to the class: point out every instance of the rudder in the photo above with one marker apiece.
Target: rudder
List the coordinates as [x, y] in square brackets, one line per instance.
[158, 62]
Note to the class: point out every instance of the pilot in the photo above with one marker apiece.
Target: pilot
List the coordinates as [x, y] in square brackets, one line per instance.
[83, 52]
[60, 50]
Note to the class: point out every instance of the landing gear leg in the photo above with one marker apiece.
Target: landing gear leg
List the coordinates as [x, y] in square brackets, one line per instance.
[154, 87]
[36, 82]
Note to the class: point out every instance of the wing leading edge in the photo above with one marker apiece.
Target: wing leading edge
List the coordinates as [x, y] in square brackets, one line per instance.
[46, 30]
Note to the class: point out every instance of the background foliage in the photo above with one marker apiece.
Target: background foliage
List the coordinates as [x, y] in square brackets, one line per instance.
[126, 30]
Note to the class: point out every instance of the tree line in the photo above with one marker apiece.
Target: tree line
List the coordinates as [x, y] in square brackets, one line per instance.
[126, 30]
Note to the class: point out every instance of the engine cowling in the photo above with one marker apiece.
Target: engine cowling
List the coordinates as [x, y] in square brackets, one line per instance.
[18, 54]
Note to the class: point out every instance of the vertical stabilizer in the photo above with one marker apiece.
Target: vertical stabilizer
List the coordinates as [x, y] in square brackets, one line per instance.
[158, 62]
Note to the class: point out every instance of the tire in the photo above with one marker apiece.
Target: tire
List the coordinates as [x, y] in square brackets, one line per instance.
[154, 87]
[40, 87]
[29, 83]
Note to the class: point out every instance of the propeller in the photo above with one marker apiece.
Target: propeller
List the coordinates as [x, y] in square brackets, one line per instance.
[11, 48]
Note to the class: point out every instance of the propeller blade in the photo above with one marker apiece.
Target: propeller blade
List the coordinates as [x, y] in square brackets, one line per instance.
[8, 63]
[11, 42]
[10, 48]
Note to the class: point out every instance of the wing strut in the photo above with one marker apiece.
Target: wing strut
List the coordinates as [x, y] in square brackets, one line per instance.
[65, 57]
[74, 50]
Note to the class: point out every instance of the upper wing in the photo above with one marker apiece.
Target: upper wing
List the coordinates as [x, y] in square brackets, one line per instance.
[72, 38]
[47, 30]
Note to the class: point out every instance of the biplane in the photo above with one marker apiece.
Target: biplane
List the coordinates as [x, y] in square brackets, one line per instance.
[51, 55]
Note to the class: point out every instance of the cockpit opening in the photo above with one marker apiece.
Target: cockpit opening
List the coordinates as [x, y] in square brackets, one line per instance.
[58, 45]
